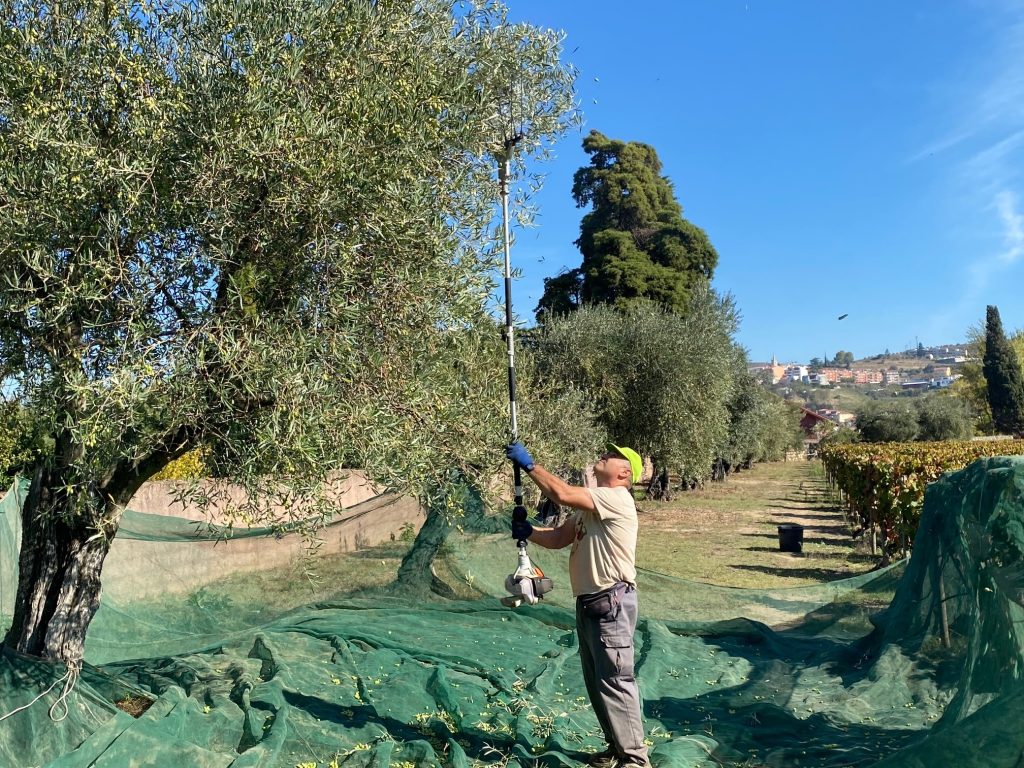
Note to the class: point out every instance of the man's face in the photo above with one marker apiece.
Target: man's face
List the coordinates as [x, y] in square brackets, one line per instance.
[610, 467]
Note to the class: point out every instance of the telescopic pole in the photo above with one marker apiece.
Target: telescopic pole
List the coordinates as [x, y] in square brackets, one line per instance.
[509, 327]
[519, 511]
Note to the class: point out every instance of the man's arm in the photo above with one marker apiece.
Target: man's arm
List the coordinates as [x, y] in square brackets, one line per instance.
[560, 492]
[555, 538]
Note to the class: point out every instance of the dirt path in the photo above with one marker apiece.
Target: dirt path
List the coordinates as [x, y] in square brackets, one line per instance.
[728, 533]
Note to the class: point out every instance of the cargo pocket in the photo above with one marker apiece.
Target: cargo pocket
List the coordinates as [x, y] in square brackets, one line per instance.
[618, 651]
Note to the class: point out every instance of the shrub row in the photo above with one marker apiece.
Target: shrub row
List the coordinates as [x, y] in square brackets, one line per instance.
[883, 483]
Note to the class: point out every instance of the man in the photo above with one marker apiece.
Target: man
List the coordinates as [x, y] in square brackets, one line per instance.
[602, 571]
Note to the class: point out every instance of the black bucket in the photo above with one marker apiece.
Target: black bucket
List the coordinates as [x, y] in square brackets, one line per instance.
[791, 537]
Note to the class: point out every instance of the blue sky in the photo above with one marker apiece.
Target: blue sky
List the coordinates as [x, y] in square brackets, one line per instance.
[844, 157]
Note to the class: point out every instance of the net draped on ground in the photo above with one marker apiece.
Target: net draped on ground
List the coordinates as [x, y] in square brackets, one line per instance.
[916, 665]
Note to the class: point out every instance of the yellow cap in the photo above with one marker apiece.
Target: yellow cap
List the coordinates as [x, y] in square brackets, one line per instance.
[635, 462]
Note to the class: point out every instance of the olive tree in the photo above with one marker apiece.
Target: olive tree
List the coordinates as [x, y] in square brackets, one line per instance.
[761, 427]
[659, 381]
[263, 226]
[942, 417]
[893, 421]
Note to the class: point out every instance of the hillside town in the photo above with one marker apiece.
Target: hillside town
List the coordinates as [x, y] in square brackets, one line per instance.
[813, 385]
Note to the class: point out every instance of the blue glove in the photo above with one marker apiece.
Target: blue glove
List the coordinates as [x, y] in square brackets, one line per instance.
[518, 454]
[521, 528]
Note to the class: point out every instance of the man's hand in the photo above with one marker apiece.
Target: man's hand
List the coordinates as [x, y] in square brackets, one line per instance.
[521, 528]
[518, 454]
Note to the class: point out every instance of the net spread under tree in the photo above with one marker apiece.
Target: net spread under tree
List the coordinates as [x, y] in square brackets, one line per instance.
[254, 225]
[918, 665]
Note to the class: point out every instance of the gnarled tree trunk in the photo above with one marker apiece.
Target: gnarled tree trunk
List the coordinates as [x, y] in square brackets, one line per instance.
[58, 574]
[416, 572]
[64, 542]
[659, 485]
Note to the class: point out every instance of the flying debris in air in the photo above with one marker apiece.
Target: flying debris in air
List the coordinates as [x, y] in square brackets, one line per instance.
[842, 317]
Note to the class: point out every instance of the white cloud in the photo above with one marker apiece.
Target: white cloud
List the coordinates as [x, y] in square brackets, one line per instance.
[989, 102]
[990, 169]
[1013, 227]
[984, 271]
[985, 144]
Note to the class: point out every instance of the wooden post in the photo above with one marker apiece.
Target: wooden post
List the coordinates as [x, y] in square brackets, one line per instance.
[942, 610]
[871, 523]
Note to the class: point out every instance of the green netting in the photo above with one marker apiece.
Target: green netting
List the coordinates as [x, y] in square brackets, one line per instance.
[822, 676]
[482, 562]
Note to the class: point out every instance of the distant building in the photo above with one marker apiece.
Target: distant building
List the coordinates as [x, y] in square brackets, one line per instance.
[891, 376]
[796, 372]
[810, 420]
[943, 381]
[772, 371]
[839, 417]
[836, 375]
[867, 377]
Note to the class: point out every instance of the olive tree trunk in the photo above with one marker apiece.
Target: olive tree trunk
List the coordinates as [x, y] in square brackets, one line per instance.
[416, 572]
[59, 569]
[659, 486]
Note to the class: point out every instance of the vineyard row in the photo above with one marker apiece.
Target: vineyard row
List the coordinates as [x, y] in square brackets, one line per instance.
[883, 483]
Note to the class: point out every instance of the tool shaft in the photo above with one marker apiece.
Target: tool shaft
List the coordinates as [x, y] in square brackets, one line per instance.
[509, 319]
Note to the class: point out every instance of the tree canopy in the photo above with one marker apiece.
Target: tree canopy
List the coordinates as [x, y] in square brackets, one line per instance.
[762, 427]
[942, 417]
[635, 243]
[660, 382]
[937, 416]
[253, 225]
[971, 388]
[1003, 377]
[843, 358]
[888, 421]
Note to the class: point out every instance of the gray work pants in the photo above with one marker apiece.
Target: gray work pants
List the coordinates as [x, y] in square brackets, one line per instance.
[606, 651]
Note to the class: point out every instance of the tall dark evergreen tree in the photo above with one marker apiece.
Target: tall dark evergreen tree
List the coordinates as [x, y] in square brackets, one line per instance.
[635, 242]
[1003, 376]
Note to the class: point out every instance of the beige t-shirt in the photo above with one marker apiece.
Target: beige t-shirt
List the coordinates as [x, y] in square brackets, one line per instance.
[604, 550]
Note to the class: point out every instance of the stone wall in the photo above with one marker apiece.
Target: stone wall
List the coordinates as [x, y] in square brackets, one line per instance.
[135, 568]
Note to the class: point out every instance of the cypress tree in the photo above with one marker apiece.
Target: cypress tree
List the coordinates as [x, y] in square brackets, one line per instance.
[636, 245]
[1004, 378]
